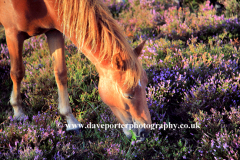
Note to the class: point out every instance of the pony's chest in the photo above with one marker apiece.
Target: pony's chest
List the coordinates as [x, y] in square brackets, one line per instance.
[32, 17]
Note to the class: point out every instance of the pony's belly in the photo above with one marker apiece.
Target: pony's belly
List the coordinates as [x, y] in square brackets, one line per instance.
[37, 31]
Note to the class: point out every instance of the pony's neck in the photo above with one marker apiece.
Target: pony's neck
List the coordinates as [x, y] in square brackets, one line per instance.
[93, 56]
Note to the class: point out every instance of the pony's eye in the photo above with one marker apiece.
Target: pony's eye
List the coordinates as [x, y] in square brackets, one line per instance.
[128, 95]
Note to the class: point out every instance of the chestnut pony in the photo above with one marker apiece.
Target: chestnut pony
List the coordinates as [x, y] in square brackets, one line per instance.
[90, 26]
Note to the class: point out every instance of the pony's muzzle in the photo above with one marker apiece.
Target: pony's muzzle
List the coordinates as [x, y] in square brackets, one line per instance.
[140, 133]
[142, 137]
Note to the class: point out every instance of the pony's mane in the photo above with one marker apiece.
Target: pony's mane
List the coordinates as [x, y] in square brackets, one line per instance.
[91, 22]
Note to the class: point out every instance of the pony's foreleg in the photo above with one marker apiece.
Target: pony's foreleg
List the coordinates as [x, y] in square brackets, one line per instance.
[56, 45]
[15, 45]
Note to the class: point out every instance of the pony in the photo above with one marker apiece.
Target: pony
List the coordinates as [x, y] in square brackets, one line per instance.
[90, 26]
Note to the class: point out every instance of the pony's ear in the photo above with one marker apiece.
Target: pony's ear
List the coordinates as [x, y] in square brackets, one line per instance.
[138, 49]
[118, 62]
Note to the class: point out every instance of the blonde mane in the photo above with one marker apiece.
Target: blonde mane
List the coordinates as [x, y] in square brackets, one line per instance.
[91, 22]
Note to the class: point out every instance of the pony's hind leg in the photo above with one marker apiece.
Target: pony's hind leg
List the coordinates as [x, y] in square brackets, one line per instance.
[56, 45]
[15, 44]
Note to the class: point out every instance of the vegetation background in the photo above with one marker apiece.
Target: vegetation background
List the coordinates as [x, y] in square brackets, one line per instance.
[192, 61]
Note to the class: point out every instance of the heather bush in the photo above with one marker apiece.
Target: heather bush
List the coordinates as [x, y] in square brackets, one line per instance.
[203, 24]
[223, 140]
[138, 18]
[232, 7]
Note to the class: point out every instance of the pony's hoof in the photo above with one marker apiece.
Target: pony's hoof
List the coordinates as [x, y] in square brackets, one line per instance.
[20, 117]
[75, 131]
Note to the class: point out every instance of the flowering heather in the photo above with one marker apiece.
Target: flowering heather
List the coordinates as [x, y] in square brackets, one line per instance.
[192, 61]
[183, 24]
[33, 139]
[224, 140]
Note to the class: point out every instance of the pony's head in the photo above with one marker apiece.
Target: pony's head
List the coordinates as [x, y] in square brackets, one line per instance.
[127, 103]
